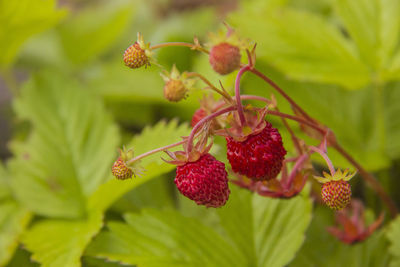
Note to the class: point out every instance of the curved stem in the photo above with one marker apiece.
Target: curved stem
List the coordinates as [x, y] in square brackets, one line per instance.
[299, 163]
[370, 179]
[291, 117]
[192, 46]
[326, 158]
[202, 121]
[212, 87]
[237, 95]
[280, 91]
[155, 151]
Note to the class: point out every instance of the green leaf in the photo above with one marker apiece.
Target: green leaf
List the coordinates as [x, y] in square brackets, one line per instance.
[21, 19]
[85, 36]
[393, 235]
[303, 45]
[148, 238]
[259, 232]
[13, 221]
[374, 25]
[5, 191]
[268, 231]
[70, 150]
[61, 242]
[322, 249]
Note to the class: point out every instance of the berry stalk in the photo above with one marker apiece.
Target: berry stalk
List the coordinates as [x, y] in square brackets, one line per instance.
[205, 80]
[192, 46]
[237, 95]
[325, 157]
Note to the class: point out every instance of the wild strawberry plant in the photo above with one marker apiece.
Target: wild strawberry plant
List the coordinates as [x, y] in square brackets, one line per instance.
[283, 141]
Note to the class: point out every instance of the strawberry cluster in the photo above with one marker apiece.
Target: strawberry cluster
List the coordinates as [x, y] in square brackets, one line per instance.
[255, 149]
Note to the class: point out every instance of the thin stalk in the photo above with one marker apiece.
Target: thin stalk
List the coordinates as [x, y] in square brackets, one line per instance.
[237, 95]
[280, 91]
[160, 149]
[205, 80]
[326, 158]
[192, 46]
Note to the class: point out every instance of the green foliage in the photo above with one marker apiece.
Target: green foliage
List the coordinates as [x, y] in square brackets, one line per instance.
[69, 151]
[20, 20]
[393, 235]
[257, 233]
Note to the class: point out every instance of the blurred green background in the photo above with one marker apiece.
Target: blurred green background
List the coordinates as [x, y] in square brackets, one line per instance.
[67, 102]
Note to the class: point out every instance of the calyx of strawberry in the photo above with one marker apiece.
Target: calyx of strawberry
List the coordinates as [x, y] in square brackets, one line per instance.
[255, 123]
[337, 176]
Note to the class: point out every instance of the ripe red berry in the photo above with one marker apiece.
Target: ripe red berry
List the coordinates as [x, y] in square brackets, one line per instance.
[336, 194]
[120, 170]
[225, 58]
[260, 156]
[204, 181]
[135, 57]
[198, 115]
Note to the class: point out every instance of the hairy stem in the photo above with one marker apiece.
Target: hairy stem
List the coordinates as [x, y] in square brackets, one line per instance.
[160, 149]
[325, 157]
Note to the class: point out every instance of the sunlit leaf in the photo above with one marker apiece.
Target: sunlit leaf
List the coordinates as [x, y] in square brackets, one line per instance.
[13, 221]
[393, 235]
[21, 19]
[70, 150]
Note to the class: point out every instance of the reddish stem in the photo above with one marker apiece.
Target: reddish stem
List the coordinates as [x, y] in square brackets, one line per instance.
[299, 163]
[201, 122]
[237, 95]
[326, 158]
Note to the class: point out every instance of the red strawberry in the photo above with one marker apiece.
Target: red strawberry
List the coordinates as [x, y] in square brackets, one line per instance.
[204, 181]
[224, 58]
[135, 56]
[259, 156]
[120, 170]
[198, 115]
[336, 194]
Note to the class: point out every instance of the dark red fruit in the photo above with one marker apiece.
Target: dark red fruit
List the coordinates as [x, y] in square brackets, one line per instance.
[198, 115]
[225, 58]
[260, 156]
[204, 181]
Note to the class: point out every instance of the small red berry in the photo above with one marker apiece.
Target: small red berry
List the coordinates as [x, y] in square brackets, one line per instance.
[120, 170]
[336, 194]
[224, 58]
[260, 156]
[204, 181]
[198, 115]
[135, 56]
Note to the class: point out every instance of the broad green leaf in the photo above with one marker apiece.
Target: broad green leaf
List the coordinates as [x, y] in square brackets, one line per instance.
[268, 231]
[303, 45]
[21, 19]
[61, 242]
[393, 235]
[164, 133]
[84, 36]
[149, 238]
[322, 249]
[259, 232]
[374, 25]
[13, 221]
[70, 150]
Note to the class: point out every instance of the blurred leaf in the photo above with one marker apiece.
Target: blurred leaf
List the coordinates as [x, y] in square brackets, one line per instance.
[374, 25]
[71, 148]
[21, 19]
[61, 242]
[261, 232]
[303, 45]
[267, 231]
[85, 36]
[393, 235]
[93, 262]
[13, 221]
[5, 191]
[22, 258]
[322, 249]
